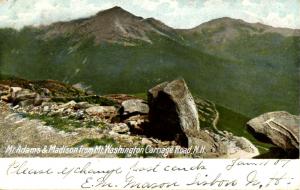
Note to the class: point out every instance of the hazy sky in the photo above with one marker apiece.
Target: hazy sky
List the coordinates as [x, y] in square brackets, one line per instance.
[175, 13]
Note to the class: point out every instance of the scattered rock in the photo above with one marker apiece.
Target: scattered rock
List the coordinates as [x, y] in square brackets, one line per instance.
[120, 128]
[280, 127]
[173, 111]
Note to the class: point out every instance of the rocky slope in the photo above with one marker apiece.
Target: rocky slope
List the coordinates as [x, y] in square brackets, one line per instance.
[114, 25]
[120, 120]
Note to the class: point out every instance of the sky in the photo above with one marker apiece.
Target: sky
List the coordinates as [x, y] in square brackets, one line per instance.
[175, 13]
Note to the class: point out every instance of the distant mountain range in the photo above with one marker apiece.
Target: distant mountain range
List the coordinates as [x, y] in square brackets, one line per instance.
[248, 68]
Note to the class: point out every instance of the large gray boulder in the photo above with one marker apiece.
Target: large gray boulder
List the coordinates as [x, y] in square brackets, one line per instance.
[280, 127]
[173, 113]
[134, 106]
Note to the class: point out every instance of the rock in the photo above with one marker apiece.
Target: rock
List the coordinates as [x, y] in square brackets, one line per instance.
[79, 115]
[280, 127]
[104, 112]
[173, 111]
[96, 110]
[146, 141]
[5, 98]
[245, 145]
[119, 98]
[14, 90]
[38, 100]
[120, 128]
[46, 109]
[137, 123]
[4, 88]
[82, 105]
[67, 105]
[25, 103]
[24, 97]
[46, 92]
[23, 94]
[134, 106]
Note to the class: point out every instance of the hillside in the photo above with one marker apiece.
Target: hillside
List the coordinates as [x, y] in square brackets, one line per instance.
[249, 68]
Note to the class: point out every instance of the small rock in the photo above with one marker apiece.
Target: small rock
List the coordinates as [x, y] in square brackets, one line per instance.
[70, 104]
[146, 141]
[25, 103]
[98, 110]
[38, 100]
[46, 109]
[120, 128]
[82, 105]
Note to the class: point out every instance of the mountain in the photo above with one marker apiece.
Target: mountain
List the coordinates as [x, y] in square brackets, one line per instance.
[267, 74]
[114, 25]
[248, 68]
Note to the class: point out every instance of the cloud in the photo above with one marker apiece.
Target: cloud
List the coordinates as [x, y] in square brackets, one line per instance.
[176, 13]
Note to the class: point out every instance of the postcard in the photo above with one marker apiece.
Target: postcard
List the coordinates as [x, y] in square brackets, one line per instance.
[149, 94]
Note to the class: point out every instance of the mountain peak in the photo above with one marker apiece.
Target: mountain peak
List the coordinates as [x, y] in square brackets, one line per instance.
[116, 10]
[232, 27]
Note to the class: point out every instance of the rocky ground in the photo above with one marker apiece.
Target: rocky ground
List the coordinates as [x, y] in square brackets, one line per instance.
[35, 114]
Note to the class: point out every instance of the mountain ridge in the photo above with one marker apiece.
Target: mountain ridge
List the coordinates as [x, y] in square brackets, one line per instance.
[120, 25]
[124, 26]
[234, 71]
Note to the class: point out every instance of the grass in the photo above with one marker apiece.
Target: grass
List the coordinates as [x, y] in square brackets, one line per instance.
[100, 142]
[62, 123]
[236, 124]
[96, 142]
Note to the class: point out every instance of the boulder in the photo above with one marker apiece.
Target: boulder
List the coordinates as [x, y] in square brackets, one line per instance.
[134, 106]
[173, 111]
[280, 127]
[104, 112]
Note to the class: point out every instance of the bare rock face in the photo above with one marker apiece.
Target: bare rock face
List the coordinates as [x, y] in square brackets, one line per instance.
[280, 127]
[173, 112]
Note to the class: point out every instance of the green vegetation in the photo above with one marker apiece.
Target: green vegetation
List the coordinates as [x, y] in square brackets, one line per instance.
[96, 142]
[207, 113]
[100, 142]
[63, 123]
[236, 124]
[246, 74]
